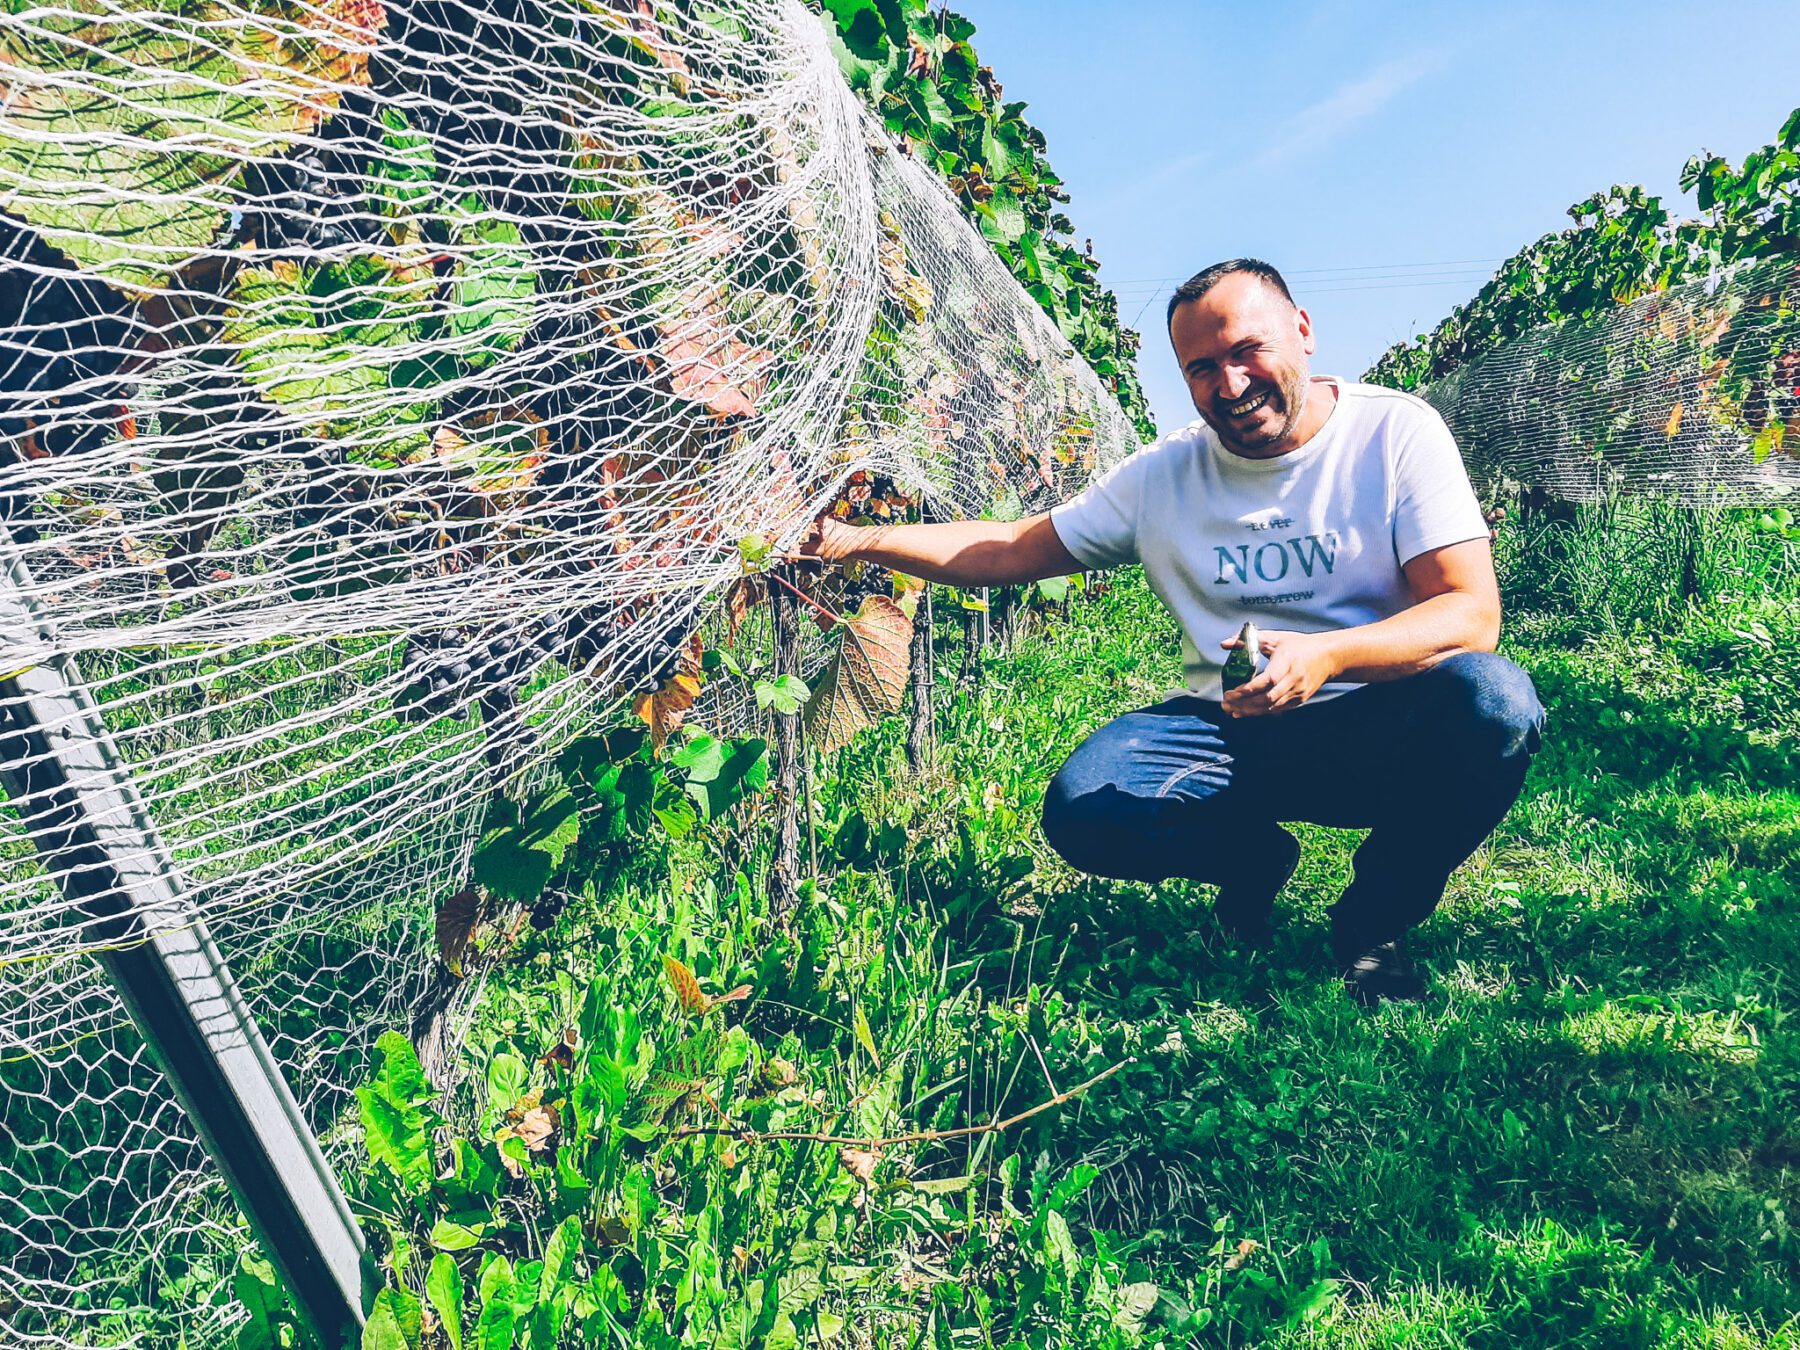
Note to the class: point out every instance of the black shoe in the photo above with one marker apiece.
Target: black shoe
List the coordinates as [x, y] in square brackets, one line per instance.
[1246, 909]
[1381, 972]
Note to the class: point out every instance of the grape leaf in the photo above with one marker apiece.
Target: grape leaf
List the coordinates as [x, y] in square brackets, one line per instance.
[865, 679]
[494, 283]
[709, 366]
[131, 185]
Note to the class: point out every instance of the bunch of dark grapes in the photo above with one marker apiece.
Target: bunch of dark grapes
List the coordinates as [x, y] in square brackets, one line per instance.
[312, 202]
[654, 668]
[440, 675]
[448, 667]
[62, 336]
[868, 495]
[859, 582]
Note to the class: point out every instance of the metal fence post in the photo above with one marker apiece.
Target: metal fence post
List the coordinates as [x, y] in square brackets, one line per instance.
[82, 811]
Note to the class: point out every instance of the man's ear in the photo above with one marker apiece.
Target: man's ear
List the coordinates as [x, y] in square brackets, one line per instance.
[1303, 325]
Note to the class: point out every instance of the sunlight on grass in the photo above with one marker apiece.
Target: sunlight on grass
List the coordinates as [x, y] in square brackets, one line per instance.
[1616, 1026]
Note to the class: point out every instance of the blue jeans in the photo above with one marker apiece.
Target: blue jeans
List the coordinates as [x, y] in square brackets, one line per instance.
[1428, 765]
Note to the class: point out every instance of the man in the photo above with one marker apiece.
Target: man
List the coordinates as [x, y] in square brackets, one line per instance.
[1340, 519]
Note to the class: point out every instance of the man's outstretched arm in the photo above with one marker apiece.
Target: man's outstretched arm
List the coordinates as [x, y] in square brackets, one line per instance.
[955, 553]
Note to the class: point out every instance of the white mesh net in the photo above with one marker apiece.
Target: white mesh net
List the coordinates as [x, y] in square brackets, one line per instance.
[1690, 393]
[384, 390]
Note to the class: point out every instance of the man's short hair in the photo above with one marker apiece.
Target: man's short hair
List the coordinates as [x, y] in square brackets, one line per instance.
[1205, 279]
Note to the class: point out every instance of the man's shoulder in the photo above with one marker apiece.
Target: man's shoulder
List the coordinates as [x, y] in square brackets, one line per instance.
[1378, 403]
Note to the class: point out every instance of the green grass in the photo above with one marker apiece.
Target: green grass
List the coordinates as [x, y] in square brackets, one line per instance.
[1588, 1135]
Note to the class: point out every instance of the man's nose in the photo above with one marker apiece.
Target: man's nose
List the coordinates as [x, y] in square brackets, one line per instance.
[1233, 381]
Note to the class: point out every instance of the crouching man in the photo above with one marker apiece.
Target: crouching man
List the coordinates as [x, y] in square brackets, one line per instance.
[1338, 518]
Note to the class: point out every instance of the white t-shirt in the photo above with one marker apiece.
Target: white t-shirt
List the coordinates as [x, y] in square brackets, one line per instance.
[1309, 541]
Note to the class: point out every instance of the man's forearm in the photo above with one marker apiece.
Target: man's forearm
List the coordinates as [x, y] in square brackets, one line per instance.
[955, 553]
[1416, 639]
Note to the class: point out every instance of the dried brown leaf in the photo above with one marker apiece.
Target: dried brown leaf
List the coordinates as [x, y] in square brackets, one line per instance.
[866, 677]
[860, 1163]
[665, 709]
[536, 1128]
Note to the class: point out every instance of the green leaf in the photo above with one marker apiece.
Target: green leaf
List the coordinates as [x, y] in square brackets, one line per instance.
[1054, 589]
[131, 186]
[494, 1327]
[859, 24]
[722, 780]
[444, 1287]
[401, 179]
[396, 1128]
[552, 821]
[864, 1037]
[507, 868]
[1060, 1246]
[494, 283]
[453, 1237]
[507, 1075]
[785, 695]
[394, 1322]
[559, 1258]
[258, 1292]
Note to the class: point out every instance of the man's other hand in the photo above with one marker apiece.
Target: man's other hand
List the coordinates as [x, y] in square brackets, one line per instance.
[1299, 665]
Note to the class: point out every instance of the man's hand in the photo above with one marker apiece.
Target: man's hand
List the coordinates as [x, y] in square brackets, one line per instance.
[1299, 665]
[953, 553]
[829, 540]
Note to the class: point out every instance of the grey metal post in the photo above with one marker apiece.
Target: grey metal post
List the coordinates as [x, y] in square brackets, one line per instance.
[82, 810]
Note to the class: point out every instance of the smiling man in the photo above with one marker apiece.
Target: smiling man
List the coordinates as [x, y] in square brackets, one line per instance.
[1339, 518]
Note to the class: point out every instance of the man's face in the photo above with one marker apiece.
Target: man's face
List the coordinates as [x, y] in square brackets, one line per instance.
[1243, 350]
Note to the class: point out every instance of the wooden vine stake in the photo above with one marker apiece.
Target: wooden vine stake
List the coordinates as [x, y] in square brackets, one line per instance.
[784, 867]
[975, 630]
[918, 726]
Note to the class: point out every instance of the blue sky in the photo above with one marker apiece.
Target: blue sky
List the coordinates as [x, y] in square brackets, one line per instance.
[1386, 156]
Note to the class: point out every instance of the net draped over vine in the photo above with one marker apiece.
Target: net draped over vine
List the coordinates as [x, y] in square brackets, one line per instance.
[385, 391]
[1690, 394]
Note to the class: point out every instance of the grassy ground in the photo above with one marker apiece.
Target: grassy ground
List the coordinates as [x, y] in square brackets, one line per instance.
[1586, 1136]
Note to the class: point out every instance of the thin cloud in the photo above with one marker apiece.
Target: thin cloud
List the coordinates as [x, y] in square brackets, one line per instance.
[1318, 124]
[1304, 132]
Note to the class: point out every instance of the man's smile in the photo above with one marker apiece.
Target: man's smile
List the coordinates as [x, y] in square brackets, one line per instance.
[1250, 406]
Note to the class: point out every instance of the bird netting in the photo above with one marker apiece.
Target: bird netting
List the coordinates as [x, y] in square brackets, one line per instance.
[1690, 393]
[386, 389]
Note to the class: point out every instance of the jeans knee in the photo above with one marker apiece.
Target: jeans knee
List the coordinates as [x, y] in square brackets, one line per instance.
[1496, 704]
[1067, 827]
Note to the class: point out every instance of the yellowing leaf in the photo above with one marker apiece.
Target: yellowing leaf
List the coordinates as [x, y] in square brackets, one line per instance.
[665, 709]
[457, 919]
[864, 1037]
[1674, 426]
[866, 677]
[687, 988]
